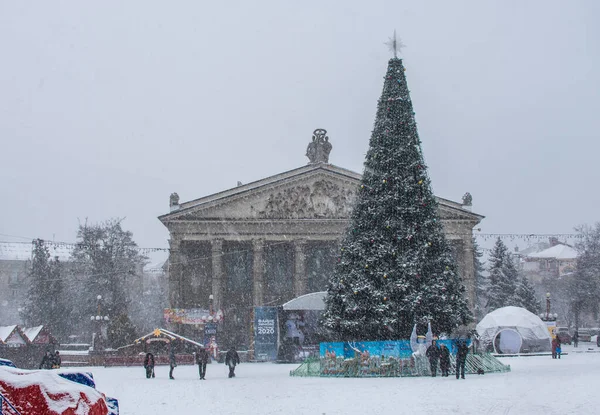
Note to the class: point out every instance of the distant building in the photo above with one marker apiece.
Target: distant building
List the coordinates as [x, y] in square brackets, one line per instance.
[556, 261]
[550, 266]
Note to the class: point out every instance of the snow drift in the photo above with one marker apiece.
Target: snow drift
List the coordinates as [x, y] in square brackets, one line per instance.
[509, 330]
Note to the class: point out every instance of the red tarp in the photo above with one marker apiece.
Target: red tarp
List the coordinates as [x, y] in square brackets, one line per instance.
[44, 392]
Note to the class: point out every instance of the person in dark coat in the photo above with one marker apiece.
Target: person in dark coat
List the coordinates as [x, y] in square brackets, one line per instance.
[575, 338]
[172, 361]
[231, 359]
[433, 354]
[46, 361]
[56, 360]
[202, 358]
[461, 359]
[444, 360]
[149, 365]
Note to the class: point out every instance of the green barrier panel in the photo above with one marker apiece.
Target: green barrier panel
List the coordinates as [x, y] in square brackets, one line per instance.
[393, 367]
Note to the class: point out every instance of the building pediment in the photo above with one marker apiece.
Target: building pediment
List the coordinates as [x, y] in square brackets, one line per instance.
[315, 193]
[320, 191]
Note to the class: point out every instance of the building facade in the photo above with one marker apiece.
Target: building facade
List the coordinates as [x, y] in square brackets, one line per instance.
[267, 242]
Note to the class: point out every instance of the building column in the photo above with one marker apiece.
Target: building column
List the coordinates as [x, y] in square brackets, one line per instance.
[217, 272]
[175, 273]
[258, 271]
[300, 282]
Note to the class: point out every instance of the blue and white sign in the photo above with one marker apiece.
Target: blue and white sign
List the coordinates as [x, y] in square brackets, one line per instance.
[265, 333]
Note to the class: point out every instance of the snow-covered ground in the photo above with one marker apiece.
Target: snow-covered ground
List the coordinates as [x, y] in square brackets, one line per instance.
[536, 385]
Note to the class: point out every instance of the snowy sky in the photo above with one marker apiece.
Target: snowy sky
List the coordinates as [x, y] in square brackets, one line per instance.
[108, 107]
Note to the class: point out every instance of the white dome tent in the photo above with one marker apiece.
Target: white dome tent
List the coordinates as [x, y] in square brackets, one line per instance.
[510, 330]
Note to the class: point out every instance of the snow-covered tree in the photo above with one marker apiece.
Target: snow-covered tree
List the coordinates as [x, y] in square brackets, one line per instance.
[106, 263]
[481, 282]
[395, 267]
[121, 331]
[584, 286]
[44, 303]
[503, 277]
[525, 296]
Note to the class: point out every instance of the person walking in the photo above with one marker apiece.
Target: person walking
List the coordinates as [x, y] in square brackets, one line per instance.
[202, 359]
[554, 346]
[149, 365]
[433, 354]
[231, 359]
[575, 338]
[558, 347]
[444, 360]
[172, 361]
[461, 359]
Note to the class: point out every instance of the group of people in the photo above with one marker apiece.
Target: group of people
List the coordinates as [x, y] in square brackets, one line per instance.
[51, 360]
[232, 359]
[441, 354]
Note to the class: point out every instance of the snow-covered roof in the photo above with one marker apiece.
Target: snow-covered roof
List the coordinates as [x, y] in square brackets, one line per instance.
[312, 301]
[511, 317]
[32, 332]
[166, 333]
[21, 251]
[5, 331]
[156, 267]
[560, 251]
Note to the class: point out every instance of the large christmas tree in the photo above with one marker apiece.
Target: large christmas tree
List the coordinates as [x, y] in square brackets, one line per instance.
[396, 267]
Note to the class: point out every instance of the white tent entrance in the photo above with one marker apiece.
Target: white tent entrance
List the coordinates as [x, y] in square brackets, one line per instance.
[508, 341]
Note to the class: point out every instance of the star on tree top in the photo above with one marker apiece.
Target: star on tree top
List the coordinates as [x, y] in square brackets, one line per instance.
[395, 45]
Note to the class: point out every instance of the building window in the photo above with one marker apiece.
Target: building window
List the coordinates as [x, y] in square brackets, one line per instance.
[13, 278]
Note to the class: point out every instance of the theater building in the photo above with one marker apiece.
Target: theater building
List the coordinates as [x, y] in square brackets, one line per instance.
[267, 242]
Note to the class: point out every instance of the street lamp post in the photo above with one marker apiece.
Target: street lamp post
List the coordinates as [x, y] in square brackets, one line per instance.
[548, 317]
[97, 321]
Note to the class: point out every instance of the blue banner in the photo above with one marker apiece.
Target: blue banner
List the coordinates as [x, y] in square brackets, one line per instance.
[210, 330]
[377, 358]
[392, 348]
[265, 333]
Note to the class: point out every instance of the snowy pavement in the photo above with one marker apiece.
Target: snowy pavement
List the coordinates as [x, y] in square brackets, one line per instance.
[536, 385]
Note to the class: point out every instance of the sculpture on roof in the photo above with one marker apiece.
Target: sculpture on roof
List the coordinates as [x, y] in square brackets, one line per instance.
[467, 199]
[319, 148]
[173, 200]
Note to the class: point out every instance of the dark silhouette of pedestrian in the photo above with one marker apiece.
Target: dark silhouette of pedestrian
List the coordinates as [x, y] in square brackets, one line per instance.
[172, 361]
[232, 359]
[433, 354]
[149, 365]
[444, 360]
[461, 359]
[202, 358]
[575, 338]
[56, 360]
[46, 361]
